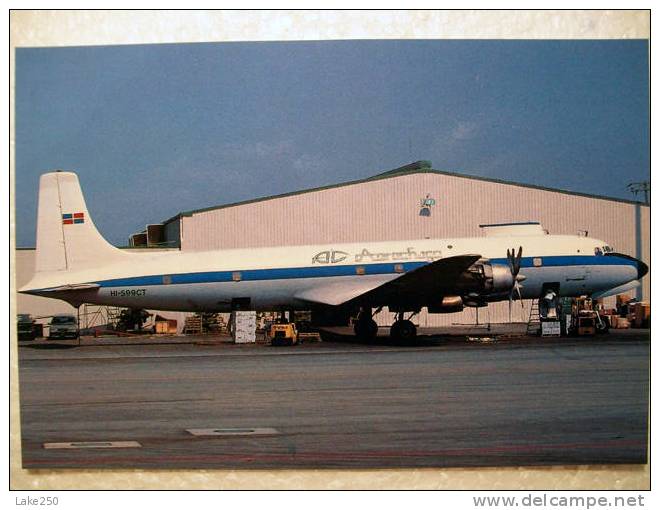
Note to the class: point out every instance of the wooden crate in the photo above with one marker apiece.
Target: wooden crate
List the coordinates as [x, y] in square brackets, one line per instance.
[167, 327]
[193, 326]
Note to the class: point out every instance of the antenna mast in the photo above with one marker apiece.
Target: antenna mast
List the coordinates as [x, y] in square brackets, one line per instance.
[640, 187]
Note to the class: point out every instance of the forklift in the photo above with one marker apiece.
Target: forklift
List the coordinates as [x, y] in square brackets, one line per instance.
[586, 319]
[283, 332]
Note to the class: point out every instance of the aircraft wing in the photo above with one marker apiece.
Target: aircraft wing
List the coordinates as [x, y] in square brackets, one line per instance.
[336, 293]
[418, 285]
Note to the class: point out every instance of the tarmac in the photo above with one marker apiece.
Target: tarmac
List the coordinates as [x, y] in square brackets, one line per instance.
[187, 403]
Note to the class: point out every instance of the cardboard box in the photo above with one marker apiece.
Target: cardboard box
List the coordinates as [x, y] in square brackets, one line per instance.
[642, 313]
[168, 327]
[622, 323]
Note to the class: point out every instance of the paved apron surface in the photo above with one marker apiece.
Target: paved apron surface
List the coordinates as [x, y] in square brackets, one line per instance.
[531, 402]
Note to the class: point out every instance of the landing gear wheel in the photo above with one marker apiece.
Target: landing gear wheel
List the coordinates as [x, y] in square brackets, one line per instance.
[403, 330]
[366, 328]
[602, 326]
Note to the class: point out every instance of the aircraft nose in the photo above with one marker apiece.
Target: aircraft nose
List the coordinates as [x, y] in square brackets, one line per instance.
[640, 266]
[642, 269]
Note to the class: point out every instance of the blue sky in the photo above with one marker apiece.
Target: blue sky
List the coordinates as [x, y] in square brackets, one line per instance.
[157, 129]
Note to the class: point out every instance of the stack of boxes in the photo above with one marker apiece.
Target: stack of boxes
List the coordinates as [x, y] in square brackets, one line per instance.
[627, 315]
[245, 327]
[641, 315]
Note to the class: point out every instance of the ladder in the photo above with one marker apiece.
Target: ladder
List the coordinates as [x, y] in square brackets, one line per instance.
[534, 322]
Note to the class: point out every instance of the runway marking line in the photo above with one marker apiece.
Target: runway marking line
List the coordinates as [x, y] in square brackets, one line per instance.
[92, 444]
[259, 431]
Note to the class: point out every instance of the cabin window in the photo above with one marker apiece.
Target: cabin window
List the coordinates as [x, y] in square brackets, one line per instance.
[167, 279]
[598, 251]
[236, 276]
[537, 261]
[359, 270]
[398, 268]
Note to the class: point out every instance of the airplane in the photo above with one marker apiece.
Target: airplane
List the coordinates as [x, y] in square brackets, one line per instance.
[513, 261]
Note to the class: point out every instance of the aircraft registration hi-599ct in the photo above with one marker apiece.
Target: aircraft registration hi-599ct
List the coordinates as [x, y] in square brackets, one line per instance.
[513, 261]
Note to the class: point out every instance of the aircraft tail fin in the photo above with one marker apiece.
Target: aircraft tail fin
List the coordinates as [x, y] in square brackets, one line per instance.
[67, 239]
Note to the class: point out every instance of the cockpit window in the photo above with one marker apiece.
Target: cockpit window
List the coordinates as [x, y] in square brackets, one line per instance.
[600, 250]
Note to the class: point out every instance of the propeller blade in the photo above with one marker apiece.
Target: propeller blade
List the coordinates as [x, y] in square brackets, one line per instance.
[517, 286]
[518, 259]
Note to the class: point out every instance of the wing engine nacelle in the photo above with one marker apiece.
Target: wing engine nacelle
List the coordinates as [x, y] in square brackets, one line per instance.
[502, 279]
[448, 304]
[488, 281]
[481, 281]
[491, 278]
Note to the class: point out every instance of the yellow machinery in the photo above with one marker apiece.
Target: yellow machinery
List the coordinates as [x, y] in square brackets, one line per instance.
[283, 334]
[585, 319]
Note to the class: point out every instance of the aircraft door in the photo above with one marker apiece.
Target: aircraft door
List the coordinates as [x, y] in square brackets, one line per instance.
[549, 307]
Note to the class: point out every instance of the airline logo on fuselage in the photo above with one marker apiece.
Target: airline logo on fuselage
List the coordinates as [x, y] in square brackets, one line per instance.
[329, 257]
[335, 256]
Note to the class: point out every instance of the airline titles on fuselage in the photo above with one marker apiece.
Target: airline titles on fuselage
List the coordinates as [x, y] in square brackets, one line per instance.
[335, 256]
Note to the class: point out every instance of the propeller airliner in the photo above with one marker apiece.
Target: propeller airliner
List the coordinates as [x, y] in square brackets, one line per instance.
[513, 261]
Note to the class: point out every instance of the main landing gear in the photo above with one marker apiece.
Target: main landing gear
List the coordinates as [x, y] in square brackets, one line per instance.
[402, 329]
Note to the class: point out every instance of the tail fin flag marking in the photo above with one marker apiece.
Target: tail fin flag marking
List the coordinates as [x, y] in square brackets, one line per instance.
[73, 218]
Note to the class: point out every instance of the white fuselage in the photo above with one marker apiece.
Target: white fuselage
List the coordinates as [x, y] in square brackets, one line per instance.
[281, 277]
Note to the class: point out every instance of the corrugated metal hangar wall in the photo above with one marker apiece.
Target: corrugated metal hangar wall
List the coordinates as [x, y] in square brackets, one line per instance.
[389, 206]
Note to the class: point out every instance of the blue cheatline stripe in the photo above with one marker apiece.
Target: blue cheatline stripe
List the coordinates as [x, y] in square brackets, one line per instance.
[262, 274]
[342, 270]
[572, 260]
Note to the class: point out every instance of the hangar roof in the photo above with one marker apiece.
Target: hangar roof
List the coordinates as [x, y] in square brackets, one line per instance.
[418, 167]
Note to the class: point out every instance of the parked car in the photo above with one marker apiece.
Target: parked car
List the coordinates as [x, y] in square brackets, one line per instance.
[63, 326]
[26, 329]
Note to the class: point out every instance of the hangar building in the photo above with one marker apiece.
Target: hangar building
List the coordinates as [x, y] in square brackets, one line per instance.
[411, 202]
[414, 202]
